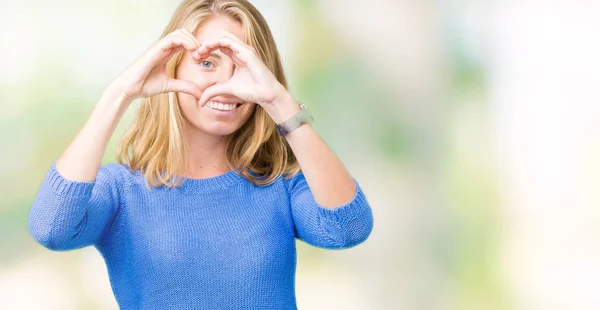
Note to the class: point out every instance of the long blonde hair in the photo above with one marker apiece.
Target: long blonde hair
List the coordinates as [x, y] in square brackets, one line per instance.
[155, 142]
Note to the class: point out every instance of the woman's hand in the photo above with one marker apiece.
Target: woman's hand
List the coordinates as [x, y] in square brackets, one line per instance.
[252, 81]
[147, 76]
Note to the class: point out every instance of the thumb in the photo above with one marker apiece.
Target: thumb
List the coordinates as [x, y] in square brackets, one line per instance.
[175, 85]
[213, 91]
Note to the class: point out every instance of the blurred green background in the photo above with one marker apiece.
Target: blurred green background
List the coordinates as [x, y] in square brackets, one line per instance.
[472, 127]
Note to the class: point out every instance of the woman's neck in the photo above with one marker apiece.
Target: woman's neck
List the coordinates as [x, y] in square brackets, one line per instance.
[206, 156]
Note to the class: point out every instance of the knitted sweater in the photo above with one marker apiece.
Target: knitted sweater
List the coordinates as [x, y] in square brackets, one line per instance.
[213, 243]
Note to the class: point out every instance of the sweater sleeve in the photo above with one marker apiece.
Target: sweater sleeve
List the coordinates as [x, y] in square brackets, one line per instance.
[69, 214]
[341, 227]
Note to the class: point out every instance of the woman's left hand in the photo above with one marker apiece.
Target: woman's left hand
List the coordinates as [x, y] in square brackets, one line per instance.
[252, 81]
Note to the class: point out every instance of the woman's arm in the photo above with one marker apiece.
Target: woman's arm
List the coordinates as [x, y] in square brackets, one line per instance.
[69, 214]
[78, 199]
[82, 158]
[329, 208]
[252, 81]
[343, 226]
[338, 215]
[330, 182]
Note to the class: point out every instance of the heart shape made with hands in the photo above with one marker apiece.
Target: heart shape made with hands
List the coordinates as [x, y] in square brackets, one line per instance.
[251, 81]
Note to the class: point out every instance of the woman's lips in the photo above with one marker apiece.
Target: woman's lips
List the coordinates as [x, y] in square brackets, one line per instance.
[222, 108]
[225, 100]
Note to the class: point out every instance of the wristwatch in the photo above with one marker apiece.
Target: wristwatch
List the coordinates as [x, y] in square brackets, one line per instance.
[302, 117]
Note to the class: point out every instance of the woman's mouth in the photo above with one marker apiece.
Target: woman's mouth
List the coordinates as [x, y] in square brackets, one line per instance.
[222, 107]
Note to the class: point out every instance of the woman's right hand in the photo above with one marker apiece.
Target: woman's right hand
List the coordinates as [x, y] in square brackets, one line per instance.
[147, 76]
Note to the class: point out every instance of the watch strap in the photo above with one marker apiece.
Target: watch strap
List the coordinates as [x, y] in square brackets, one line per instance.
[302, 117]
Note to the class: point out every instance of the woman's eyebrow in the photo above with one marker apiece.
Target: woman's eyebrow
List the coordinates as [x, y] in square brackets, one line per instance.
[215, 55]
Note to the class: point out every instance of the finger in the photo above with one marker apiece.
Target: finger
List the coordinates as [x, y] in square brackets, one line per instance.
[162, 50]
[207, 47]
[179, 35]
[235, 45]
[247, 56]
[213, 91]
[188, 34]
[227, 51]
[177, 39]
[236, 39]
[242, 43]
[197, 44]
[174, 85]
[239, 53]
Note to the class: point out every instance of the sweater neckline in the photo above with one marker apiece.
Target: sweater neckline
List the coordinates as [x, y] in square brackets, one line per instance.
[219, 181]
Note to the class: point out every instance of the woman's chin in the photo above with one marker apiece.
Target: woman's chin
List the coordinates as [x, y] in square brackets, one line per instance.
[218, 129]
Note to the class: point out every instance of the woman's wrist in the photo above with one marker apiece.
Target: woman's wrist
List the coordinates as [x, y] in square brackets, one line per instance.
[115, 95]
[283, 107]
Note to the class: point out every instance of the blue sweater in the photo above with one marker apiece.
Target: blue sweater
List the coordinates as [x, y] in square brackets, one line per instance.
[214, 243]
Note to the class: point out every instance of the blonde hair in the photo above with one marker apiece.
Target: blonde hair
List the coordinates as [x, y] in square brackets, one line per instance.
[155, 142]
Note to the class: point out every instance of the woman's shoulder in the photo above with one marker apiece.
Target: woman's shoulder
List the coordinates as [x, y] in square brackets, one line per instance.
[120, 174]
[291, 180]
[116, 168]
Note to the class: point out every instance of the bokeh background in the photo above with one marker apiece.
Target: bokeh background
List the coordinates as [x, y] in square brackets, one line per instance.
[473, 127]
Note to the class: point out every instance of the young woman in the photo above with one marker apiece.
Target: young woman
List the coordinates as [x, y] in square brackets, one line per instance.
[203, 207]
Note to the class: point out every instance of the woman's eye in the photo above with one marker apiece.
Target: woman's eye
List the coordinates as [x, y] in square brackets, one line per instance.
[206, 64]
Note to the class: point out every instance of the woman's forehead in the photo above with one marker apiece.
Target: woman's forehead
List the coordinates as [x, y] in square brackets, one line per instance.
[215, 26]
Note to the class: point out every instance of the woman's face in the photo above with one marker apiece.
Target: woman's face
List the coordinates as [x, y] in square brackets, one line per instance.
[217, 68]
